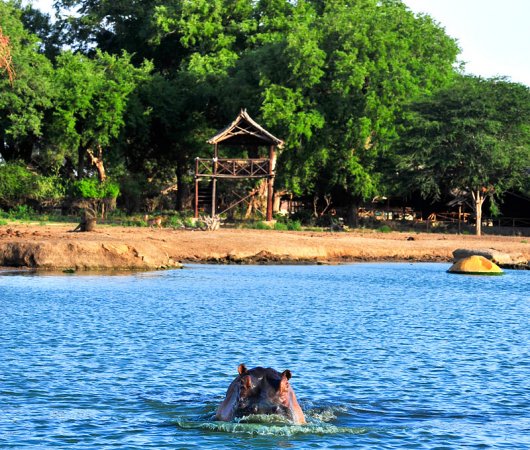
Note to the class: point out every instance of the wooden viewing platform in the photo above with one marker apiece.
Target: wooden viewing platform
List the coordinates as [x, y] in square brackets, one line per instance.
[233, 168]
[243, 132]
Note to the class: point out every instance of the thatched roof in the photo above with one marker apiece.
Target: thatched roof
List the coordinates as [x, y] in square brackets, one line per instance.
[245, 131]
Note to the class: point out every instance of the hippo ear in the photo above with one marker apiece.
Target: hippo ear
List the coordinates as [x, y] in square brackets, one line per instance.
[242, 369]
[284, 382]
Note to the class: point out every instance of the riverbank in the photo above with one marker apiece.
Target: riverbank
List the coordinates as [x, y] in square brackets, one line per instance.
[55, 247]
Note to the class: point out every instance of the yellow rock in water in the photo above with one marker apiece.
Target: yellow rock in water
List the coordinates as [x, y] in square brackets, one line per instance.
[475, 265]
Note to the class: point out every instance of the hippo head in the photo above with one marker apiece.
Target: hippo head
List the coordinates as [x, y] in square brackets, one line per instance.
[260, 391]
[263, 391]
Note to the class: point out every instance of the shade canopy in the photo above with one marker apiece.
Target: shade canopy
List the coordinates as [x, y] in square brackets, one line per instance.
[244, 131]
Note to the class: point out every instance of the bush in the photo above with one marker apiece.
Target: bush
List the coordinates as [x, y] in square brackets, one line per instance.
[294, 225]
[262, 226]
[18, 185]
[190, 222]
[174, 221]
[49, 188]
[92, 188]
[280, 226]
[304, 216]
[96, 196]
[384, 229]
[21, 212]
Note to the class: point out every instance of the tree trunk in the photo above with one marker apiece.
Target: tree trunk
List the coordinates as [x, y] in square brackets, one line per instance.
[98, 162]
[3, 145]
[478, 200]
[353, 216]
[258, 199]
[25, 149]
[182, 189]
[80, 162]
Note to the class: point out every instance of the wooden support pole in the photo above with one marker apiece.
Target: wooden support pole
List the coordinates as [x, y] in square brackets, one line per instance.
[196, 215]
[270, 194]
[270, 184]
[196, 203]
[214, 193]
[214, 183]
[459, 218]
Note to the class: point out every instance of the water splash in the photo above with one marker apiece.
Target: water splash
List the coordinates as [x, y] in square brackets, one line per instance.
[325, 414]
[269, 429]
[274, 425]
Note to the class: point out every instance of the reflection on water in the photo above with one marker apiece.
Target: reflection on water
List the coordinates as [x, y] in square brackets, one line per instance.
[382, 356]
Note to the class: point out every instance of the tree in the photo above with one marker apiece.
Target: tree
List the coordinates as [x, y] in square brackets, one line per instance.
[88, 114]
[473, 136]
[48, 32]
[191, 45]
[328, 77]
[347, 70]
[24, 99]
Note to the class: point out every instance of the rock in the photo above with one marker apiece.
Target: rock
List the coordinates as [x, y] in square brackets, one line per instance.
[475, 265]
[81, 255]
[500, 258]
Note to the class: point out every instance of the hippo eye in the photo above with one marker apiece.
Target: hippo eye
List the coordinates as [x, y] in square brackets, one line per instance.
[274, 383]
[246, 383]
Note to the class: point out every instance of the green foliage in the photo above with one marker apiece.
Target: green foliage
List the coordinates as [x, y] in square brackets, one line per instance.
[328, 77]
[472, 136]
[338, 112]
[91, 188]
[174, 221]
[18, 185]
[384, 229]
[294, 225]
[21, 212]
[23, 105]
[331, 78]
[261, 226]
[92, 97]
[49, 188]
[190, 223]
[285, 223]
[86, 188]
[471, 139]
[288, 225]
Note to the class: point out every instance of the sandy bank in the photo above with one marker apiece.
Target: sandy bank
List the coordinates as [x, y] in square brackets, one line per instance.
[124, 248]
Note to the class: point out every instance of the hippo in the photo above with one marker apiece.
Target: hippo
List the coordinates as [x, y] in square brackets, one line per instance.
[260, 391]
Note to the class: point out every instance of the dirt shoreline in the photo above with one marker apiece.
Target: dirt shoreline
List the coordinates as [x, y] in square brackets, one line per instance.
[55, 247]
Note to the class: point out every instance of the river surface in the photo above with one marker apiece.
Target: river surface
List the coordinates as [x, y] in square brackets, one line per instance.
[383, 356]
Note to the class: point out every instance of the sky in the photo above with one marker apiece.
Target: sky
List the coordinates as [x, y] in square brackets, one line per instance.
[494, 35]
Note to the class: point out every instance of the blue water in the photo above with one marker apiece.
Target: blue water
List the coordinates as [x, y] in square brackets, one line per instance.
[383, 356]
